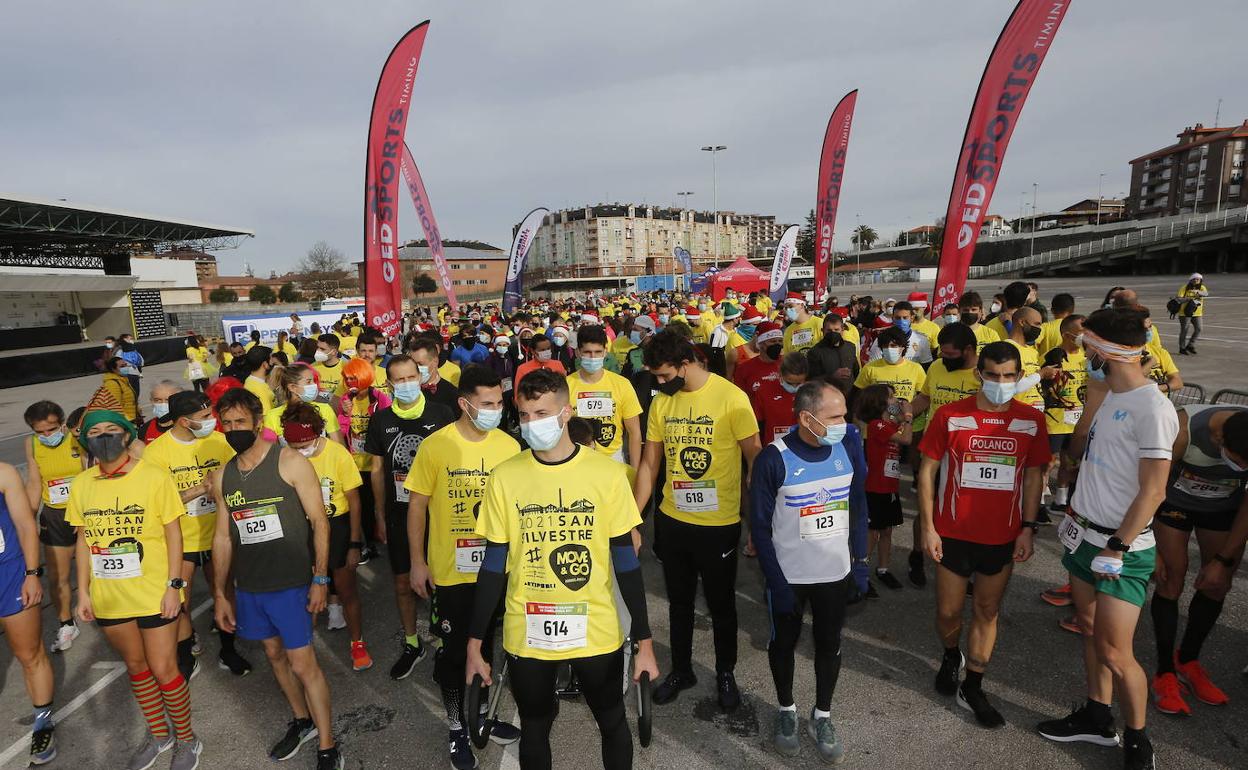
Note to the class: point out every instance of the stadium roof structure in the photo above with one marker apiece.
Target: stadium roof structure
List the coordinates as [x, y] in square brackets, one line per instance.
[36, 232]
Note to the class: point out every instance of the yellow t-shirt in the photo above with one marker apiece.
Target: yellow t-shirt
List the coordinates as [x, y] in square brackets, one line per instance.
[452, 471]
[928, 329]
[1062, 420]
[804, 335]
[850, 333]
[621, 345]
[347, 345]
[250, 344]
[942, 386]
[58, 466]
[358, 422]
[197, 354]
[1164, 367]
[261, 390]
[450, 371]
[1050, 336]
[1031, 365]
[288, 349]
[338, 475]
[187, 465]
[984, 336]
[606, 404]
[273, 418]
[905, 376]
[123, 522]
[379, 376]
[331, 383]
[1198, 294]
[558, 521]
[699, 432]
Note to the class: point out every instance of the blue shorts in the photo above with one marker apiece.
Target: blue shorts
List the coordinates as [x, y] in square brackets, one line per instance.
[12, 575]
[284, 613]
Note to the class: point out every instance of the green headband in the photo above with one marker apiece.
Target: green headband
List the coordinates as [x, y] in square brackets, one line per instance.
[97, 416]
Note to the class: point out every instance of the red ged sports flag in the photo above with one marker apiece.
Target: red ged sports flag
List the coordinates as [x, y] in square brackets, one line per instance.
[831, 171]
[424, 212]
[1011, 70]
[383, 280]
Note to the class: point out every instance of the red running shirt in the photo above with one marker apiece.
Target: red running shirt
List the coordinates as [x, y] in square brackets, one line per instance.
[773, 407]
[750, 375]
[883, 457]
[982, 456]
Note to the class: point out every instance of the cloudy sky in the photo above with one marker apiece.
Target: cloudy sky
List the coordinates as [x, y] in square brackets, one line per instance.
[254, 114]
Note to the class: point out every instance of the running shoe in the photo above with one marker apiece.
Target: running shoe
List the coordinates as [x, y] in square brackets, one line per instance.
[726, 689]
[186, 754]
[236, 664]
[1197, 680]
[785, 735]
[335, 620]
[502, 733]
[1140, 756]
[65, 636]
[871, 592]
[1071, 623]
[918, 578]
[329, 759]
[1079, 726]
[197, 649]
[888, 579]
[1168, 695]
[407, 661]
[1058, 597]
[1191, 349]
[360, 659]
[366, 555]
[147, 754]
[298, 732]
[1182, 351]
[947, 676]
[462, 757]
[42, 747]
[1042, 516]
[977, 703]
[671, 686]
[822, 732]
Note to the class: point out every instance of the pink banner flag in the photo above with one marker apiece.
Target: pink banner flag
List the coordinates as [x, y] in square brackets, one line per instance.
[424, 212]
[831, 171]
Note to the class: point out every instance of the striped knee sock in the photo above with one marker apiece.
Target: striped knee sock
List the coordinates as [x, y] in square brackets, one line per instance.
[177, 697]
[147, 693]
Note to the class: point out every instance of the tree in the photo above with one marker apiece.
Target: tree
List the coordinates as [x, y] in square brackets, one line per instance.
[866, 234]
[288, 293]
[806, 239]
[263, 294]
[222, 295]
[423, 284]
[323, 272]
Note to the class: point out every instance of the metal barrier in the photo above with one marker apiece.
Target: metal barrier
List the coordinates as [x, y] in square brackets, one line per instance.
[1190, 393]
[1230, 396]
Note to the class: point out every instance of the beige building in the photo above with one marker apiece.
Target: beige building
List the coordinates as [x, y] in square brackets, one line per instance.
[628, 239]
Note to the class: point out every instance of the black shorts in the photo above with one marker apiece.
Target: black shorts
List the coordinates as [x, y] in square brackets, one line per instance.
[198, 558]
[397, 547]
[883, 510]
[450, 612]
[964, 558]
[339, 540]
[54, 530]
[1058, 442]
[1186, 521]
[147, 622]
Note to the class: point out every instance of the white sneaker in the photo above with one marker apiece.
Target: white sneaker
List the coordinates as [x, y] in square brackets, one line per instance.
[336, 619]
[65, 636]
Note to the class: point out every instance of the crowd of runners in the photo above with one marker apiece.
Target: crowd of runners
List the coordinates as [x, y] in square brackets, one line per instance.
[502, 466]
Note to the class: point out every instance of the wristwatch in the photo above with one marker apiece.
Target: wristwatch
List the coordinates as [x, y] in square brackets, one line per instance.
[1115, 544]
[178, 583]
[36, 572]
[1034, 526]
[321, 580]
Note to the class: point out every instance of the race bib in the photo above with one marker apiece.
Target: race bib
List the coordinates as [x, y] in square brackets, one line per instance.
[469, 552]
[778, 433]
[803, 338]
[400, 494]
[823, 521]
[1070, 533]
[599, 404]
[58, 490]
[695, 496]
[201, 506]
[506, 384]
[987, 471]
[1071, 416]
[1206, 489]
[556, 626]
[327, 491]
[258, 525]
[116, 563]
[357, 445]
[892, 468]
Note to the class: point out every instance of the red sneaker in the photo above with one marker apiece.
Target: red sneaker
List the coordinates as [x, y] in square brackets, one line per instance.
[1197, 680]
[1168, 695]
[1071, 623]
[360, 659]
[1058, 597]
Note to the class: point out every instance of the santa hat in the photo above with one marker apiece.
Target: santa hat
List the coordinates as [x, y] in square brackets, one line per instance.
[768, 331]
[882, 322]
[693, 314]
[795, 296]
[502, 339]
[590, 317]
[751, 315]
[917, 299]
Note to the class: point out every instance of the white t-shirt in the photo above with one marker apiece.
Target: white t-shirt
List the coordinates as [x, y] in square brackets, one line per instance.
[1140, 424]
[919, 350]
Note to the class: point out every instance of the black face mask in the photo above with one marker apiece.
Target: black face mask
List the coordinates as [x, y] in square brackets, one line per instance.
[468, 341]
[834, 338]
[107, 447]
[774, 351]
[671, 387]
[970, 319]
[1031, 334]
[240, 440]
[953, 363]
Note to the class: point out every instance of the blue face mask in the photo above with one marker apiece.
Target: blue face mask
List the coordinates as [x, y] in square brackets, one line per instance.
[999, 392]
[592, 365]
[1151, 335]
[486, 419]
[634, 337]
[891, 355]
[664, 318]
[833, 434]
[543, 434]
[51, 440]
[309, 392]
[406, 392]
[747, 331]
[1097, 371]
[789, 387]
[903, 324]
[790, 313]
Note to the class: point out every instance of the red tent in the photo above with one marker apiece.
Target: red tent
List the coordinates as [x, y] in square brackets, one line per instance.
[741, 277]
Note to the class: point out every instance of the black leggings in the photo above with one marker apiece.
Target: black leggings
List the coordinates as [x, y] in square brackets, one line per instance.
[690, 552]
[827, 609]
[602, 680]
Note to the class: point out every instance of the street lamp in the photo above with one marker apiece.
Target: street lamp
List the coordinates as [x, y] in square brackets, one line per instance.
[713, 149]
[1100, 183]
[858, 243]
[1035, 187]
[685, 198]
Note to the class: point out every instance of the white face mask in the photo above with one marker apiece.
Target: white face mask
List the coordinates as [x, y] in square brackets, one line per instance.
[321, 356]
[542, 434]
[425, 374]
[206, 427]
[309, 450]
[951, 319]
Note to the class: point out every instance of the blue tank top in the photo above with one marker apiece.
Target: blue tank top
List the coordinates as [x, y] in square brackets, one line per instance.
[10, 546]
